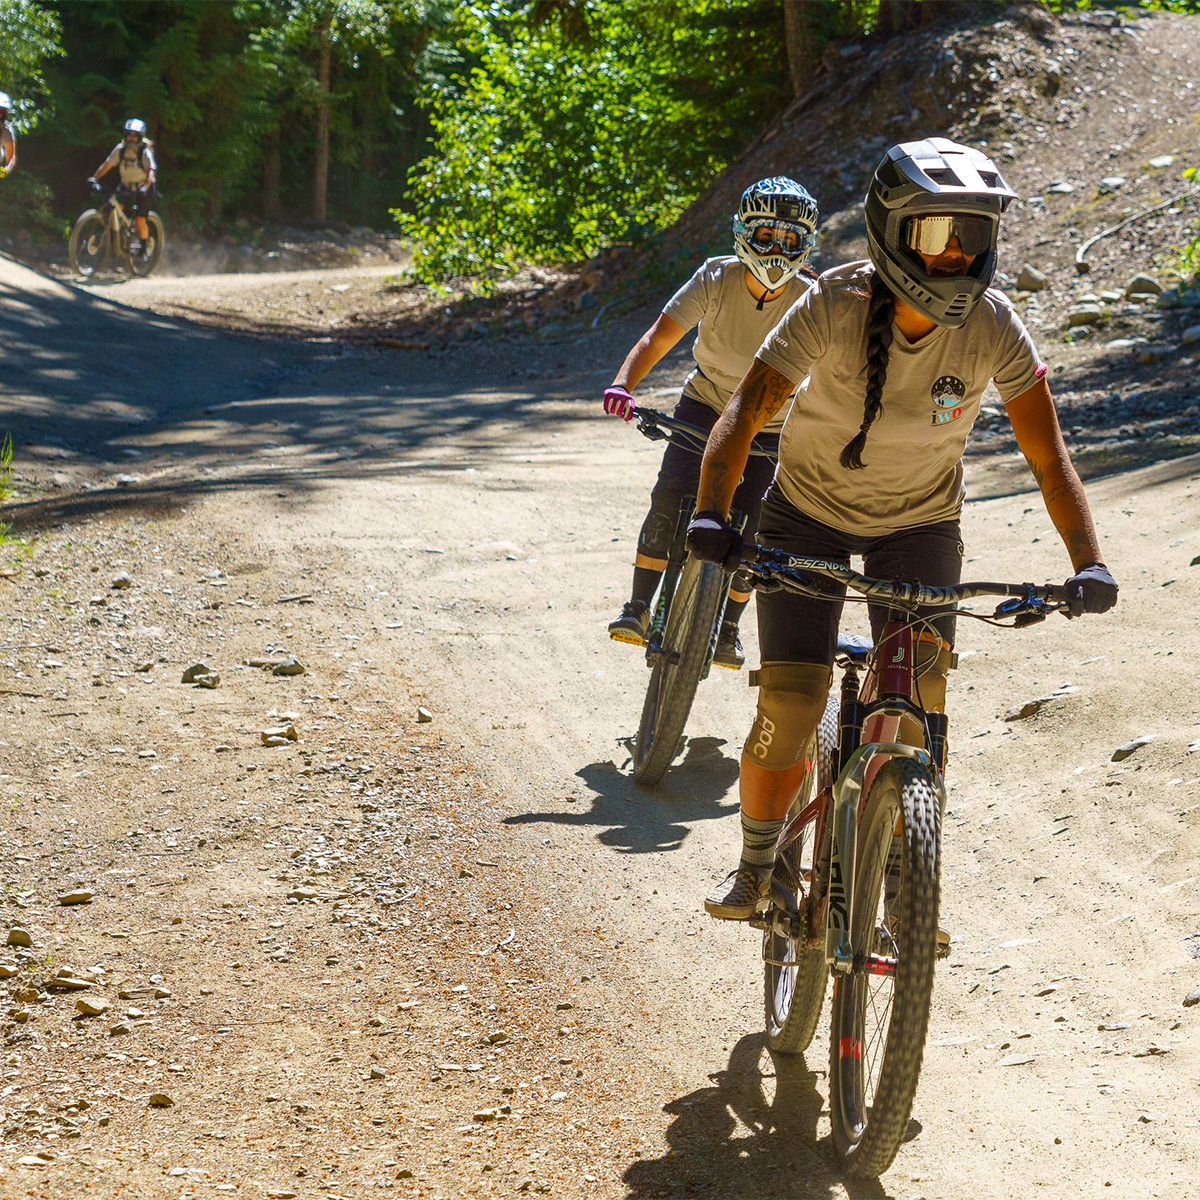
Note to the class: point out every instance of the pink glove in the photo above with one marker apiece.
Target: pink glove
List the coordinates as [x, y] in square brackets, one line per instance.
[619, 403]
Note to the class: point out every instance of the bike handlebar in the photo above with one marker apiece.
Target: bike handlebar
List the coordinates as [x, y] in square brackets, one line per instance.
[767, 567]
[659, 427]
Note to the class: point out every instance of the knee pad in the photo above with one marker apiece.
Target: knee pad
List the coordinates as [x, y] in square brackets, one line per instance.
[791, 700]
[933, 660]
[658, 529]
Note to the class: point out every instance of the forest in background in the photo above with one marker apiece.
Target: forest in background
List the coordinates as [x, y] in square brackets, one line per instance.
[495, 133]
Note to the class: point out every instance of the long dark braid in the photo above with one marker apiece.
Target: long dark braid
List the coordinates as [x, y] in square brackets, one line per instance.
[880, 314]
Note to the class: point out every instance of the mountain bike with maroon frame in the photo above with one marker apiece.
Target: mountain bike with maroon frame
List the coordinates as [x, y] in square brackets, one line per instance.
[855, 889]
[686, 621]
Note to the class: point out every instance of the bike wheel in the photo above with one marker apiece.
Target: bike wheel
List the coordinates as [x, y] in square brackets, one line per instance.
[88, 247]
[687, 648]
[141, 265]
[881, 1007]
[794, 975]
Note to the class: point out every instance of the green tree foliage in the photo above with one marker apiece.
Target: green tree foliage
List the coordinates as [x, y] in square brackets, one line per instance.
[586, 122]
[29, 35]
[230, 90]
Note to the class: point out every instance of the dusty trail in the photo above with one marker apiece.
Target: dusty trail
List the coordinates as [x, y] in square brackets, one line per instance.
[481, 516]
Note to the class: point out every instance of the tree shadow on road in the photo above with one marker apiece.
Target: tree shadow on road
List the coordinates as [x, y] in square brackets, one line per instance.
[752, 1134]
[637, 820]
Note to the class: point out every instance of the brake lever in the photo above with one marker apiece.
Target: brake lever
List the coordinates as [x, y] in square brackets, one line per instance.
[652, 430]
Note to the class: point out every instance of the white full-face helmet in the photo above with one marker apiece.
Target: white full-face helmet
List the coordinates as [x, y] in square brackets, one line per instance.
[137, 126]
[775, 229]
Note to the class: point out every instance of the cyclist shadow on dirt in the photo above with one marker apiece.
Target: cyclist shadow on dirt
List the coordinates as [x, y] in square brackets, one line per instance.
[645, 820]
[753, 1133]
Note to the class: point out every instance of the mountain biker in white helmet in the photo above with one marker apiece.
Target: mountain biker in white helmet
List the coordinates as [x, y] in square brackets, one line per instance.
[8, 140]
[133, 157]
[735, 300]
[891, 356]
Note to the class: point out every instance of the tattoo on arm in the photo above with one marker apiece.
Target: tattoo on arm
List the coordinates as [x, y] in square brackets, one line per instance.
[766, 392]
[1061, 492]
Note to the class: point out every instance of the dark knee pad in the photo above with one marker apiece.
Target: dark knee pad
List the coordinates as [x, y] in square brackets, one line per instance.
[658, 529]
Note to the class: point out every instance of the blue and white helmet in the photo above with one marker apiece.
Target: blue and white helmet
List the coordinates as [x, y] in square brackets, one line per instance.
[775, 229]
[136, 125]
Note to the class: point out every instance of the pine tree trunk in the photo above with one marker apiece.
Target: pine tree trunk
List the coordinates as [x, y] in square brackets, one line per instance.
[272, 172]
[321, 161]
[800, 34]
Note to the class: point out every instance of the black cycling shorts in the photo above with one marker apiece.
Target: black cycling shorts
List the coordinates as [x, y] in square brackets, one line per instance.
[680, 470]
[793, 628]
[135, 202]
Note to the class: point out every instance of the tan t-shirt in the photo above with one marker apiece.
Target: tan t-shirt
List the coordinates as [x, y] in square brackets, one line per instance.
[731, 328]
[913, 455]
[133, 163]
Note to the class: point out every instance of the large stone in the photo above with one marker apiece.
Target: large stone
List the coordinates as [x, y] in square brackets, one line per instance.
[1062, 188]
[1123, 752]
[1143, 285]
[1031, 279]
[1191, 335]
[1085, 314]
[19, 936]
[1160, 162]
[195, 671]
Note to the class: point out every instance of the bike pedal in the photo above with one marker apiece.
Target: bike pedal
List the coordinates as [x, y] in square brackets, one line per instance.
[630, 639]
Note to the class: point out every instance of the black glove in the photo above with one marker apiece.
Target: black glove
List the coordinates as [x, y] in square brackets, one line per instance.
[712, 539]
[1092, 590]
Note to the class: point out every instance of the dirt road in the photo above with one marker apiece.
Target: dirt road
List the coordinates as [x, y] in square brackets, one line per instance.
[462, 523]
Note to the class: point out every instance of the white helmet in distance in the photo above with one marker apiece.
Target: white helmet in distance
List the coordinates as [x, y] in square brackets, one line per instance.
[135, 125]
[775, 229]
[5, 104]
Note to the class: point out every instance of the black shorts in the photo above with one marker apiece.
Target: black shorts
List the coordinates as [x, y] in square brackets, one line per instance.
[794, 628]
[137, 203]
[680, 470]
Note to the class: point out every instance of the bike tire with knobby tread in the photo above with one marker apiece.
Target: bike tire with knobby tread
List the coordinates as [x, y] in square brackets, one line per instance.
[793, 996]
[687, 638]
[141, 267]
[867, 1138]
[81, 235]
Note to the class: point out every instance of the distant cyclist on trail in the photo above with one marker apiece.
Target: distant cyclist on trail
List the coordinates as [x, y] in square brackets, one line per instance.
[133, 157]
[735, 300]
[8, 140]
[891, 356]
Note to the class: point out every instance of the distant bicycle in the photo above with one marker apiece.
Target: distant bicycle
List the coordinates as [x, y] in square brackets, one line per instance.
[687, 619]
[105, 233]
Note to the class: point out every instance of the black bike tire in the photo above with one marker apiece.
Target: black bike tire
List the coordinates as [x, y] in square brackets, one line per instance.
[866, 1140]
[91, 214]
[792, 1013]
[142, 267]
[672, 687]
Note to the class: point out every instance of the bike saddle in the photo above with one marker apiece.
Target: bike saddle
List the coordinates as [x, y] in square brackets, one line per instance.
[855, 648]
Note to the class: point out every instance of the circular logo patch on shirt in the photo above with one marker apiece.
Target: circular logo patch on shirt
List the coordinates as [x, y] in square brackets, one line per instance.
[947, 394]
[949, 391]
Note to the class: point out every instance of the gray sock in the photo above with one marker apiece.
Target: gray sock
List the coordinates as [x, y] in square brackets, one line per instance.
[758, 841]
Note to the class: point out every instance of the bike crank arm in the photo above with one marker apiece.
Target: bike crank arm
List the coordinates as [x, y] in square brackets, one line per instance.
[847, 795]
